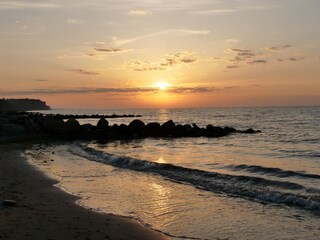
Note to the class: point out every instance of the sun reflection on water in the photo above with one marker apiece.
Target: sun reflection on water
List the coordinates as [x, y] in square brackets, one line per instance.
[161, 160]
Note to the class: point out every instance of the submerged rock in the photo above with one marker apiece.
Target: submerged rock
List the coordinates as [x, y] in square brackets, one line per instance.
[212, 131]
[9, 203]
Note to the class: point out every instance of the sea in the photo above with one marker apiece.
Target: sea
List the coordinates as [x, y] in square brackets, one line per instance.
[242, 186]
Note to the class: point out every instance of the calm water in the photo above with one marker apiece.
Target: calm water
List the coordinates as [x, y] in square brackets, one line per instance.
[265, 185]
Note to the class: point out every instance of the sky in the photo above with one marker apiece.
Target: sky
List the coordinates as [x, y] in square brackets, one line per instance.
[161, 53]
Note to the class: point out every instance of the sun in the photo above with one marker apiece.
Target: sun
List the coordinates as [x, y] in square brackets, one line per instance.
[162, 85]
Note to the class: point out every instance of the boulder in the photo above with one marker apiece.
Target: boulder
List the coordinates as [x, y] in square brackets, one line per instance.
[212, 131]
[51, 124]
[125, 131]
[72, 127]
[87, 131]
[137, 125]
[13, 129]
[250, 131]
[9, 203]
[230, 129]
[168, 129]
[102, 124]
[153, 129]
[195, 126]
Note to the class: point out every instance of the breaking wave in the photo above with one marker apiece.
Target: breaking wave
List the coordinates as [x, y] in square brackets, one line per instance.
[253, 188]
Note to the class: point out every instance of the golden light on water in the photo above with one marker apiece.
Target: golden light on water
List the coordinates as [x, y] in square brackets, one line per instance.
[161, 160]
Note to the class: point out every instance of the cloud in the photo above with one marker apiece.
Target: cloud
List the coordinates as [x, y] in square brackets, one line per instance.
[119, 42]
[84, 72]
[258, 61]
[232, 40]
[139, 13]
[109, 50]
[233, 66]
[241, 55]
[170, 60]
[291, 59]
[74, 21]
[126, 90]
[278, 48]
[185, 90]
[214, 11]
[294, 59]
[24, 4]
[42, 80]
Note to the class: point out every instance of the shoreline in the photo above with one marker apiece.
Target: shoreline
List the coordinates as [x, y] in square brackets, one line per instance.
[43, 211]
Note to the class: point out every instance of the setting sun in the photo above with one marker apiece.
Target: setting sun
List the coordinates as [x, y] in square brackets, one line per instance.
[162, 85]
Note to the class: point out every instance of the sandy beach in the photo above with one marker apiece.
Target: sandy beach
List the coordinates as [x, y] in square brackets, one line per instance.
[43, 211]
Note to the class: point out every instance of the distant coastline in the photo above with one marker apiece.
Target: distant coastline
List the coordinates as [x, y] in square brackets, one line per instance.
[25, 104]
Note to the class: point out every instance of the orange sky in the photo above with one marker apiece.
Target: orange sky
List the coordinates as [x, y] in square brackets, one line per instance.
[114, 54]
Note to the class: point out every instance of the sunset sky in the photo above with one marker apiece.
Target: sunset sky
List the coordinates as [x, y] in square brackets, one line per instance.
[161, 53]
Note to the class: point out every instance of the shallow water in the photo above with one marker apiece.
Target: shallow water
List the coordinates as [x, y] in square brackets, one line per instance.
[237, 187]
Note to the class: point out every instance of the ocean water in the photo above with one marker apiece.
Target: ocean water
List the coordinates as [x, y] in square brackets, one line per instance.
[242, 186]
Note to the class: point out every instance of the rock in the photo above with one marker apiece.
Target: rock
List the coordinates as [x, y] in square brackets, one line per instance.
[87, 131]
[9, 203]
[137, 125]
[193, 132]
[3, 120]
[125, 131]
[51, 124]
[250, 131]
[212, 131]
[230, 129]
[102, 124]
[168, 128]
[179, 131]
[153, 129]
[13, 129]
[195, 126]
[72, 127]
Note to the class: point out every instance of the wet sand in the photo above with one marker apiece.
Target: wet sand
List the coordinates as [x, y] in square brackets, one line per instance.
[45, 212]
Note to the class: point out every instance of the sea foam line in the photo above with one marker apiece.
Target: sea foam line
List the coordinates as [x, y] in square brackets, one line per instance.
[253, 188]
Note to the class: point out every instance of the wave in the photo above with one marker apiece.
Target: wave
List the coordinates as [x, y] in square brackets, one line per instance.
[278, 172]
[254, 188]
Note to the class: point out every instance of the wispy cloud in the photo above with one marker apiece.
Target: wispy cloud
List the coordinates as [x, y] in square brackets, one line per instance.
[108, 50]
[232, 40]
[214, 11]
[139, 12]
[25, 4]
[258, 61]
[126, 90]
[291, 59]
[101, 51]
[84, 72]
[119, 42]
[232, 66]
[278, 48]
[74, 21]
[170, 60]
[42, 80]
[241, 55]
[186, 90]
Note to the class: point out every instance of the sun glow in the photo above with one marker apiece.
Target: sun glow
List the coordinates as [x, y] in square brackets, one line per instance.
[162, 85]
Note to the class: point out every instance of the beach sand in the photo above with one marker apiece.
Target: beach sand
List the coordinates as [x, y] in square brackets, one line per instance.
[45, 212]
